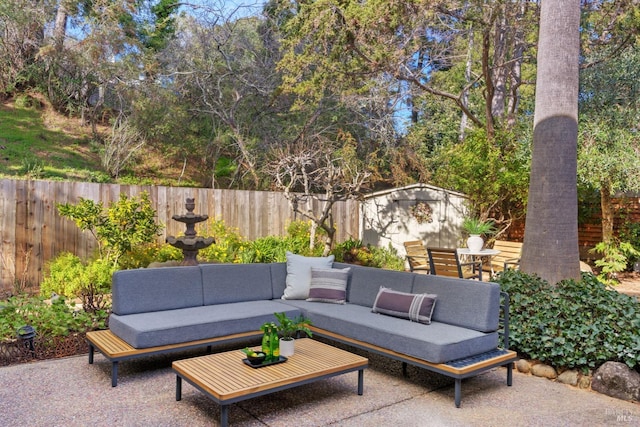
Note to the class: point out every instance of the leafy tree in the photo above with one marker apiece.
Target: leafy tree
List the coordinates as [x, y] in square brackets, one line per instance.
[22, 33]
[160, 26]
[338, 47]
[226, 73]
[550, 246]
[125, 223]
[450, 61]
[609, 148]
[492, 174]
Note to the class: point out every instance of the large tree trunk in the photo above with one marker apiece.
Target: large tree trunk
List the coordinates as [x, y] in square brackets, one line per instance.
[551, 230]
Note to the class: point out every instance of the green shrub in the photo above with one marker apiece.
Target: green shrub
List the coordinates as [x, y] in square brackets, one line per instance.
[275, 248]
[52, 320]
[387, 258]
[230, 246]
[299, 233]
[70, 277]
[630, 232]
[353, 251]
[27, 102]
[616, 258]
[63, 270]
[144, 254]
[227, 246]
[575, 324]
[32, 167]
[265, 249]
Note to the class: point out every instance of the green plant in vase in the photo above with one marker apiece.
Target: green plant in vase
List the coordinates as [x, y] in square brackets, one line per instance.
[288, 328]
[475, 228]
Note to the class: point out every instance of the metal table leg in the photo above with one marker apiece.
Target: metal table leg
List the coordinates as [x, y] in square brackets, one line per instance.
[224, 415]
[178, 388]
[114, 374]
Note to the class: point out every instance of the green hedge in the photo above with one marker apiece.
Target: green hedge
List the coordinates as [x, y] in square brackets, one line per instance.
[575, 324]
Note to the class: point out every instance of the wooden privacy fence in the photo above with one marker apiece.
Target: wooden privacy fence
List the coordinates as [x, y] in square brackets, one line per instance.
[626, 210]
[33, 232]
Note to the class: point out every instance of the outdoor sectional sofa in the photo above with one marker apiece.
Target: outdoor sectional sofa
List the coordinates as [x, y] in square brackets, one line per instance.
[455, 330]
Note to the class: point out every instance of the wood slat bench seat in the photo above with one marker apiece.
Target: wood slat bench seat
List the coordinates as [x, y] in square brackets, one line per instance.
[116, 350]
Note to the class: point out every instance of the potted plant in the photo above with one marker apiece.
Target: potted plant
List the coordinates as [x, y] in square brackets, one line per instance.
[476, 228]
[288, 328]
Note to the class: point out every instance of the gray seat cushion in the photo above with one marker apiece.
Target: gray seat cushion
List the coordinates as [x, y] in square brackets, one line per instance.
[155, 289]
[435, 343]
[158, 328]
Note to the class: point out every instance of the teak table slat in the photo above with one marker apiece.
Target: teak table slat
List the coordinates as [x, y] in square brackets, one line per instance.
[226, 379]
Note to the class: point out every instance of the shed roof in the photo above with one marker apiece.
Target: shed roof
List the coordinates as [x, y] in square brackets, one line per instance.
[413, 187]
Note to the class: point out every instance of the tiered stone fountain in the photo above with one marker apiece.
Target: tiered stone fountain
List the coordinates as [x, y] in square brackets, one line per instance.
[190, 243]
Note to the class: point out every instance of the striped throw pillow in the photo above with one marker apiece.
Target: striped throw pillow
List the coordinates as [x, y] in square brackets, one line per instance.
[329, 285]
[415, 307]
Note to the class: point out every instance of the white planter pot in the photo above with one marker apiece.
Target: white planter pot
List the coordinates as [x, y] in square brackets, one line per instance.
[287, 347]
[475, 243]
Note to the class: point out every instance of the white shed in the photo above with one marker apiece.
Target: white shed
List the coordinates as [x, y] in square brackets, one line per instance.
[415, 212]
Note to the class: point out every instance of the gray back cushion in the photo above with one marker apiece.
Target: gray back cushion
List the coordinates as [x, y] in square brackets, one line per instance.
[278, 278]
[154, 289]
[365, 283]
[462, 302]
[225, 283]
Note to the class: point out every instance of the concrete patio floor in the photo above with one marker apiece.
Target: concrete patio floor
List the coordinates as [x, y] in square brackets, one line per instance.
[70, 392]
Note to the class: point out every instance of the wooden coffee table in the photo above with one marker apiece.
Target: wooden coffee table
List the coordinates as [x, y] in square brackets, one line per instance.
[226, 379]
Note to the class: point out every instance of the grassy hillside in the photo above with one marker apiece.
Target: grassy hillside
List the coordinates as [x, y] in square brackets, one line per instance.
[38, 143]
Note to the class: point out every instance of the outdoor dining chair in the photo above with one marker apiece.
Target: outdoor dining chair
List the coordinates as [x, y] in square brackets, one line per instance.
[509, 256]
[445, 262]
[417, 256]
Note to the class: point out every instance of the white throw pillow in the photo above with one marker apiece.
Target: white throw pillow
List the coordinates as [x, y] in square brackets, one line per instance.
[299, 274]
